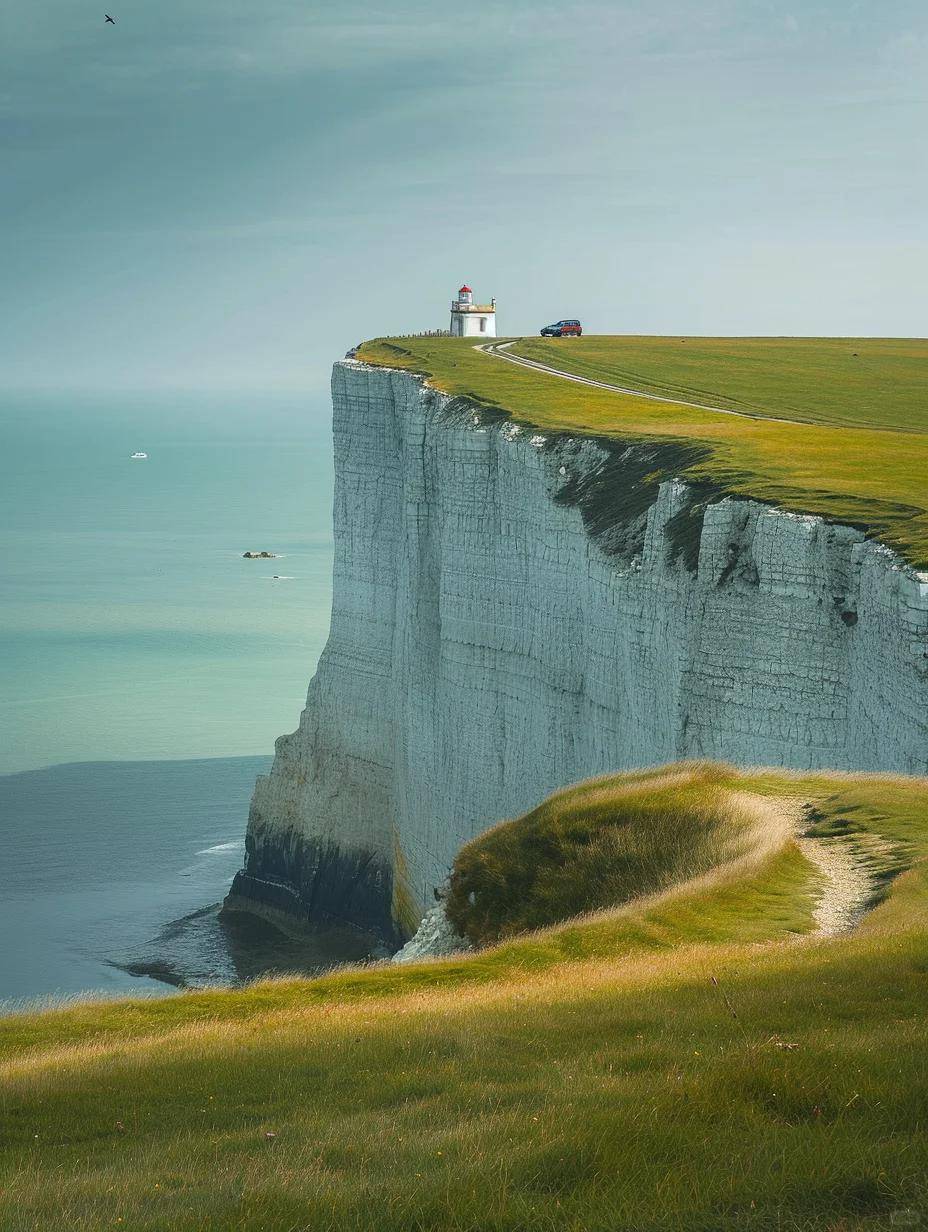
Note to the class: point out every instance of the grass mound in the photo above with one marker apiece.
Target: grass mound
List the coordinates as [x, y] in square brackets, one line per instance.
[853, 449]
[595, 845]
[683, 1061]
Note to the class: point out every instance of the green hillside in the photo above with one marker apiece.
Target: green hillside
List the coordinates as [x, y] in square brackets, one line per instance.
[602, 843]
[696, 1058]
[857, 451]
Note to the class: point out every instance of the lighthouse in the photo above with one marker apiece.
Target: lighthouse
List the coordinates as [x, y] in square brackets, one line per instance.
[470, 320]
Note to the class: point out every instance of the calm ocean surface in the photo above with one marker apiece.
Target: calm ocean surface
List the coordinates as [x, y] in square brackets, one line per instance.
[146, 667]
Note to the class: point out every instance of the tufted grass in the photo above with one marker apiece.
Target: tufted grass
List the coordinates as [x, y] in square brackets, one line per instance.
[689, 1061]
[856, 452]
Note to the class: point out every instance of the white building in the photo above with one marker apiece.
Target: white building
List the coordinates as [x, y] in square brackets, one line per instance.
[470, 320]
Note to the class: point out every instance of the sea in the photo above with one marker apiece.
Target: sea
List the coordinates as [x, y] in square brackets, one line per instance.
[146, 669]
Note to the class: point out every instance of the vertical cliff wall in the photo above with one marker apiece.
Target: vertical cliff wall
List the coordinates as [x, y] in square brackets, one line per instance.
[512, 613]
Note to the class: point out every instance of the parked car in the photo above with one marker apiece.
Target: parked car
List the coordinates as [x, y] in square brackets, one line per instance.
[563, 329]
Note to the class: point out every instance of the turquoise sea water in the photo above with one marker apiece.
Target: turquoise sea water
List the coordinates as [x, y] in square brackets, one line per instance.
[131, 631]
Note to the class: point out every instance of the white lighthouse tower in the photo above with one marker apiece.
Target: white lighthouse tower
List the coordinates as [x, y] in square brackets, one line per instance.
[470, 320]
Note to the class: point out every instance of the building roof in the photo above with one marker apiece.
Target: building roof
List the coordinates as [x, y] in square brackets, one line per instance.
[465, 288]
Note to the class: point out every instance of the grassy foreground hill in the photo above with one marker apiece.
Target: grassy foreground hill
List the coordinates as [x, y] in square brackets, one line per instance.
[698, 1057]
[854, 447]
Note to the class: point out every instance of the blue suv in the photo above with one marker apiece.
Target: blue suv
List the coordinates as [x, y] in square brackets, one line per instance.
[563, 329]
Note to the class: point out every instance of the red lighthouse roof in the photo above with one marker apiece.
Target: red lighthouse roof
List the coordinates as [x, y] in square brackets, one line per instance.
[465, 288]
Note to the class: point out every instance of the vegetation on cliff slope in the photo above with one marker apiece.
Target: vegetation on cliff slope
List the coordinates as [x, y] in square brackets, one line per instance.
[685, 1061]
[855, 449]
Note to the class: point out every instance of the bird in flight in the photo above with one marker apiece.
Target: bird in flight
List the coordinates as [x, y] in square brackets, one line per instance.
[111, 20]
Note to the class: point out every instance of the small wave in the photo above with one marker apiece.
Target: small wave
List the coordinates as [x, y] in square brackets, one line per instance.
[281, 577]
[208, 851]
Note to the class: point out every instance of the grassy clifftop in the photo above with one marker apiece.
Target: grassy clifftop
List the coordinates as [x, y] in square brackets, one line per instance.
[697, 1058]
[854, 449]
[849, 382]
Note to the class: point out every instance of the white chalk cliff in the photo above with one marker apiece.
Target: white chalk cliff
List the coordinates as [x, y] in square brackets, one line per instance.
[513, 612]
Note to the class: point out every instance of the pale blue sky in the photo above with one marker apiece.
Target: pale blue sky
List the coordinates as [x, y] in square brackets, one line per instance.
[226, 195]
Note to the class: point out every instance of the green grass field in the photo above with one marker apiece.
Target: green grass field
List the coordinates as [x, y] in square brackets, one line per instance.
[694, 1059]
[850, 382]
[857, 451]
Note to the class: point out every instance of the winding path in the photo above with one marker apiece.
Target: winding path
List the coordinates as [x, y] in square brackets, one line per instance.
[849, 884]
[850, 879]
[499, 350]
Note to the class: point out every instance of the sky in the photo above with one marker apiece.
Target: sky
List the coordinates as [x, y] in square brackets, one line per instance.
[220, 195]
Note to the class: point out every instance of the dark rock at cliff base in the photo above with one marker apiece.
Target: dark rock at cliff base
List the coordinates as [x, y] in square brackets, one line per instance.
[213, 947]
[292, 881]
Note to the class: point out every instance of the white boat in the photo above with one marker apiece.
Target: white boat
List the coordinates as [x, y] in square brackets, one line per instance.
[138, 454]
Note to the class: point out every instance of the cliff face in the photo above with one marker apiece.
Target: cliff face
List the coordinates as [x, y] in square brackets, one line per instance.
[512, 613]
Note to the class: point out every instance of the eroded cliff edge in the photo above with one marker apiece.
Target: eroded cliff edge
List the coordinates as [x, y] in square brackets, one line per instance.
[513, 612]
